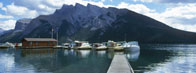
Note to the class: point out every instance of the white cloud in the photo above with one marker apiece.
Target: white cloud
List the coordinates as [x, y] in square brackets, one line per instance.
[102, 0]
[140, 8]
[8, 24]
[49, 6]
[187, 11]
[20, 11]
[5, 16]
[1, 5]
[180, 17]
[167, 1]
[144, 0]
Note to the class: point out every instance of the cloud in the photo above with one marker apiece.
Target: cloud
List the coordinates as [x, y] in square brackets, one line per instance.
[181, 17]
[140, 8]
[20, 11]
[167, 1]
[176, 1]
[7, 24]
[143, 0]
[1, 5]
[5, 17]
[187, 11]
[45, 7]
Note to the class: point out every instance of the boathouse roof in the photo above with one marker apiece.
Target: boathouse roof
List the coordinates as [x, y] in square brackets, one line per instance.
[39, 39]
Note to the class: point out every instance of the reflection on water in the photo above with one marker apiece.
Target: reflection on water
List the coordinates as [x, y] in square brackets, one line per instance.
[132, 54]
[6, 62]
[56, 61]
[166, 59]
[147, 59]
[83, 53]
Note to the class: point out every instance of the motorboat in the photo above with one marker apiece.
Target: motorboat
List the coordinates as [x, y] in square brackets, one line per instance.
[99, 46]
[7, 45]
[81, 45]
[115, 46]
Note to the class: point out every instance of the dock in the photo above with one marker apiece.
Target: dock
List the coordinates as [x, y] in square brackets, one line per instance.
[120, 64]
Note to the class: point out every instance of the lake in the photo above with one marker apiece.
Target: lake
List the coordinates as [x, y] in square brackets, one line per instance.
[150, 58]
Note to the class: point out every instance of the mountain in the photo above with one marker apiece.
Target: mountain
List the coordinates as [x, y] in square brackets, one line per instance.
[12, 35]
[95, 24]
[1, 31]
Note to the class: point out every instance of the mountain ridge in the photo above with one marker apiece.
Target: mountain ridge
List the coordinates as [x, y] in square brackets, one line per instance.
[96, 24]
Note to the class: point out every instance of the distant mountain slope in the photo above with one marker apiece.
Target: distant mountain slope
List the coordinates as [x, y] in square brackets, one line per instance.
[1, 31]
[95, 24]
[13, 35]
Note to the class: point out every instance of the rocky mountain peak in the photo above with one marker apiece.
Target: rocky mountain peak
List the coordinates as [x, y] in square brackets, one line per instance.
[22, 23]
[1, 31]
[24, 20]
[78, 5]
[66, 6]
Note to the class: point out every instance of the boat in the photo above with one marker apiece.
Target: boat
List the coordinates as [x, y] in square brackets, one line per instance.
[126, 45]
[66, 45]
[131, 44]
[99, 46]
[134, 44]
[18, 45]
[116, 46]
[7, 45]
[81, 45]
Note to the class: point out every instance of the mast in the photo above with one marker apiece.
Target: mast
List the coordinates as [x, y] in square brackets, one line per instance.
[52, 33]
[57, 35]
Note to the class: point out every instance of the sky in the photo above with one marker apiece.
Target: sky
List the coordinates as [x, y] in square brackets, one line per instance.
[180, 14]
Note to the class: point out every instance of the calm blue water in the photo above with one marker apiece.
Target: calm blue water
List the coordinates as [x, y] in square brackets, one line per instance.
[166, 59]
[149, 59]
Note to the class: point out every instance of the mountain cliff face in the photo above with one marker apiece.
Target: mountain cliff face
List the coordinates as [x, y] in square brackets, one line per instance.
[95, 24]
[21, 24]
[1, 31]
[13, 35]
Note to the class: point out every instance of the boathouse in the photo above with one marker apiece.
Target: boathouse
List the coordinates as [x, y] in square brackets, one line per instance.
[38, 42]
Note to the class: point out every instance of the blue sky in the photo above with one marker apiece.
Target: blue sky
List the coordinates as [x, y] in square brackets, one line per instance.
[180, 14]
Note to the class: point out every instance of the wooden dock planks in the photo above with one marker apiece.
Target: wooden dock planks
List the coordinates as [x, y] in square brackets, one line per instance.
[120, 65]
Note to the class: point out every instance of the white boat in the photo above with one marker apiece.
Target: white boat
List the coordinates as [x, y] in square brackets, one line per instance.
[131, 44]
[99, 46]
[126, 45]
[7, 45]
[118, 47]
[18, 45]
[134, 44]
[81, 45]
[66, 45]
[115, 46]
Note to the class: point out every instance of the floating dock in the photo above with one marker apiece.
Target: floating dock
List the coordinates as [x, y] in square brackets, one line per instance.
[120, 65]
